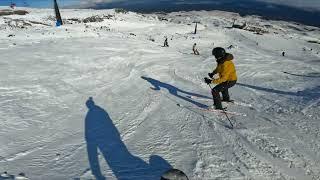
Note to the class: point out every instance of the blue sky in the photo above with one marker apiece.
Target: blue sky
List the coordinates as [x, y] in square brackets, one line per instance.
[305, 4]
[38, 3]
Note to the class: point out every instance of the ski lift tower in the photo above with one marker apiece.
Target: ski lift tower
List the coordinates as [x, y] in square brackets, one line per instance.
[196, 26]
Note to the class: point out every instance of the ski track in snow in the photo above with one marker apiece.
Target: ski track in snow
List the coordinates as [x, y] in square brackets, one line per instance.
[48, 73]
[20, 154]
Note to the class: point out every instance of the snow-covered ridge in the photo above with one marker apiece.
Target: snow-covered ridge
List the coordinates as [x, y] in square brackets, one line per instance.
[48, 73]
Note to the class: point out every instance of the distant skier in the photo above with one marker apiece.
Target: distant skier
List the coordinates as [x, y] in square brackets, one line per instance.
[195, 50]
[165, 44]
[230, 47]
[283, 53]
[227, 76]
[13, 5]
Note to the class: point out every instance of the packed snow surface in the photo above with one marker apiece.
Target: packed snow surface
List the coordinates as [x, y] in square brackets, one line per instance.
[48, 74]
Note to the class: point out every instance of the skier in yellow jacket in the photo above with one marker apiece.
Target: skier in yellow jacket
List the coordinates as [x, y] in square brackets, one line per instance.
[227, 76]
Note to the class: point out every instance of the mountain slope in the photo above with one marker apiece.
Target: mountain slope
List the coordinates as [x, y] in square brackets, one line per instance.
[49, 73]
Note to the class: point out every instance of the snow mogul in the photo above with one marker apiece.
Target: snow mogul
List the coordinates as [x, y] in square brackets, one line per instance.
[227, 77]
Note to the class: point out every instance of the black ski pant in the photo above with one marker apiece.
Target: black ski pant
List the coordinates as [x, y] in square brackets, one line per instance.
[223, 88]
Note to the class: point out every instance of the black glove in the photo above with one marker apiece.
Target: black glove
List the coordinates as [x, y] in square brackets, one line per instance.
[211, 75]
[207, 80]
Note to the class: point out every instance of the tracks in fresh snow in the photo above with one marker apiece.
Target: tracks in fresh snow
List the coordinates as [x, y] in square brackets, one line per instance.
[20, 154]
[243, 154]
[239, 145]
[276, 163]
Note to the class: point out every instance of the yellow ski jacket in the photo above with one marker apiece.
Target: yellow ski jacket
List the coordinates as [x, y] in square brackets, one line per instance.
[226, 71]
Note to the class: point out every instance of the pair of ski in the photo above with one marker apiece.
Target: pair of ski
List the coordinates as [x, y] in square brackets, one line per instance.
[224, 111]
[229, 102]
[220, 111]
[211, 109]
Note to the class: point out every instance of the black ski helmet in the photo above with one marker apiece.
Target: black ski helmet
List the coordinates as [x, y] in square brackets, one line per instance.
[219, 52]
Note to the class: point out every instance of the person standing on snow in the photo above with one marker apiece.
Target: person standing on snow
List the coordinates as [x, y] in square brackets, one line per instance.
[165, 44]
[195, 50]
[227, 76]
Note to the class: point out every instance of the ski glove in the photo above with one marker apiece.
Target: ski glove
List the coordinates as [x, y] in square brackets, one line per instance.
[207, 80]
[211, 75]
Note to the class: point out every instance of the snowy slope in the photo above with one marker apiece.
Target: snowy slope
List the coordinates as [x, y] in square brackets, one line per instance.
[48, 74]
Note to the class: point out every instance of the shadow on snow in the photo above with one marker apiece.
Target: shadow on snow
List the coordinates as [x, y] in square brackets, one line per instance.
[311, 75]
[307, 93]
[101, 134]
[175, 91]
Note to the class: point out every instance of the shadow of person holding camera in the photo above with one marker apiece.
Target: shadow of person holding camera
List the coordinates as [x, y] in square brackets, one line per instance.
[102, 135]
